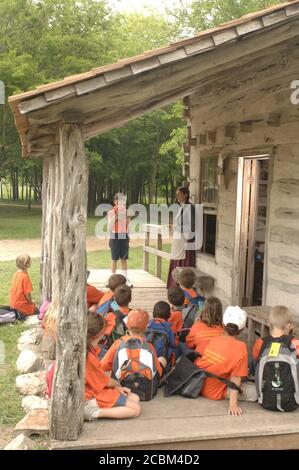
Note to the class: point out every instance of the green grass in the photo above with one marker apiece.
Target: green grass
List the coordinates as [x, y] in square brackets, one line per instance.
[10, 401]
[18, 223]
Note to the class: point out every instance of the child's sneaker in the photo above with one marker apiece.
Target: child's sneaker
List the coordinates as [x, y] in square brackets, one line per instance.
[129, 283]
[91, 410]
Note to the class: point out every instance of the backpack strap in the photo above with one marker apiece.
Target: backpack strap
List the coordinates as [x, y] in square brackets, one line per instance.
[227, 382]
[286, 340]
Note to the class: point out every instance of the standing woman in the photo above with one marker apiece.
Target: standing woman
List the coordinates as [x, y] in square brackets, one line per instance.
[183, 233]
[118, 222]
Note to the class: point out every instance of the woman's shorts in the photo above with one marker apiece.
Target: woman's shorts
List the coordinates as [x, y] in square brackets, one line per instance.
[119, 246]
[121, 401]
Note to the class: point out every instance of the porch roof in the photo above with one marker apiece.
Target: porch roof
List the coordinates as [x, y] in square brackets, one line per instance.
[109, 96]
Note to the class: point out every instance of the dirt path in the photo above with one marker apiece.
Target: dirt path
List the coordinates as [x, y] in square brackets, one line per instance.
[5, 436]
[10, 249]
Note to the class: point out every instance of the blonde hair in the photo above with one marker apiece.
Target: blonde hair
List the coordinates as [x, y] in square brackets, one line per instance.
[23, 261]
[279, 317]
[50, 320]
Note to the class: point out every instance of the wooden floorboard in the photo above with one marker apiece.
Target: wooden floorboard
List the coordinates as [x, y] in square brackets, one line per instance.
[181, 423]
[147, 289]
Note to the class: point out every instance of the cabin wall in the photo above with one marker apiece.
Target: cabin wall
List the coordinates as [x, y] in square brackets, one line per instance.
[275, 134]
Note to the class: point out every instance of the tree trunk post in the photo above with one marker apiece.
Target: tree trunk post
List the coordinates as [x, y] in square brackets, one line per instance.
[69, 282]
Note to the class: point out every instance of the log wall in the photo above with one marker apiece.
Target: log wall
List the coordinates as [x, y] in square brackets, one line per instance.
[243, 127]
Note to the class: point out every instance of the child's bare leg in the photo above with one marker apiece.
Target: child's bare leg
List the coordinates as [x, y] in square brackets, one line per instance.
[131, 410]
[133, 397]
[113, 266]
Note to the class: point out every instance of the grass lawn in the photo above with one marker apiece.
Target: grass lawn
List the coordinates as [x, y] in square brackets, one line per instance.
[18, 223]
[10, 401]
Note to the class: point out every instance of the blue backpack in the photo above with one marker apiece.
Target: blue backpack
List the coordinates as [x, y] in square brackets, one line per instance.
[159, 334]
[107, 306]
[198, 300]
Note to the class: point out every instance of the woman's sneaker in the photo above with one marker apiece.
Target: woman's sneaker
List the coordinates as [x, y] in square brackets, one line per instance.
[91, 410]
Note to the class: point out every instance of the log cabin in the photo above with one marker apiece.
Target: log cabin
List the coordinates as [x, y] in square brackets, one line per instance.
[239, 86]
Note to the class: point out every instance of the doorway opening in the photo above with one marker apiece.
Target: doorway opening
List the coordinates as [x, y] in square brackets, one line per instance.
[253, 216]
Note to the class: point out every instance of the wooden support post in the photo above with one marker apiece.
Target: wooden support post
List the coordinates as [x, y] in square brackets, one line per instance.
[159, 259]
[69, 282]
[47, 225]
[251, 333]
[145, 253]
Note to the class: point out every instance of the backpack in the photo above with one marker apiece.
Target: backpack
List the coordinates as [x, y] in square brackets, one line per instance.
[7, 315]
[120, 328]
[277, 375]
[134, 367]
[105, 307]
[187, 380]
[156, 334]
[198, 300]
[190, 314]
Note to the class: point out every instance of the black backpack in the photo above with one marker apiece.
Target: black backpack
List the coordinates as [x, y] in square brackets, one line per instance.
[190, 314]
[187, 380]
[277, 375]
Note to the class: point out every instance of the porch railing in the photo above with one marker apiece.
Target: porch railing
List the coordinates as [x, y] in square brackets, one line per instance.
[155, 232]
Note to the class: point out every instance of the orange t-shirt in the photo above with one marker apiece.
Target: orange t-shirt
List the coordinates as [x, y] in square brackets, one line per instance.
[192, 292]
[201, 334]
[96, 382]
[176, 320]
[224, 356]
[93, 295]
[21, 286]
[108, 359]
[106, 296]
[110, 320]
[259, 343]
[117, 219]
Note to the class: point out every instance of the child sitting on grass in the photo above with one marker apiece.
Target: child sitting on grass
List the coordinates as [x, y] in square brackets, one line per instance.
[207, 327]
[21, 289]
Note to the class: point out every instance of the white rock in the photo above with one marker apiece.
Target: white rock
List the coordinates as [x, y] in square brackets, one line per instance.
[33, 402]
[31, 384]
[32, 321]
[21, 442]
[29, 361]
[29, 340]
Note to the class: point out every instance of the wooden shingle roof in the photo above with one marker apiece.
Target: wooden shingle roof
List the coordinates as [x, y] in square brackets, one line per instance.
[34, 104]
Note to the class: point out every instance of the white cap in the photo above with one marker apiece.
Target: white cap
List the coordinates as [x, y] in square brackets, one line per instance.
[235, 315]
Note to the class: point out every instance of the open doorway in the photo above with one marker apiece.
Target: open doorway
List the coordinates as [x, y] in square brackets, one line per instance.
[252, 225]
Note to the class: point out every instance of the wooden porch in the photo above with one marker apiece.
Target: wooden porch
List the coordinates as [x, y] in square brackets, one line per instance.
[180, 423]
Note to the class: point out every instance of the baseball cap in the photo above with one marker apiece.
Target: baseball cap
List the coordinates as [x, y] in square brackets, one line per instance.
[138, 318]
[235, 315]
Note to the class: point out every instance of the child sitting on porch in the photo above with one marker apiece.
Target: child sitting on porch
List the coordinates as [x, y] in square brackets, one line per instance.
[160, 334]
[93, 294]
[176, 299]
[281, 327]
[104, 397]
[116, 319]
[227, 357]
[104, 304]
[207, 327]
[21, 289]
[133, 360]
[187, 280]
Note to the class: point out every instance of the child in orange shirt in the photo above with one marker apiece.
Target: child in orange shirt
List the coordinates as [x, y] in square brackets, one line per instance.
[137, 321]
[186, 281]
[281, 326]
[227, 357]
[104, 397]
[93, 295]
[103, 306]
[21, 289]
[176, 298]
[116, 319]
[207, 327]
